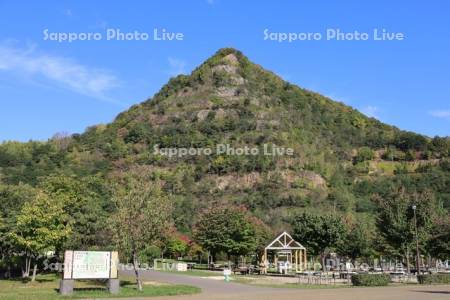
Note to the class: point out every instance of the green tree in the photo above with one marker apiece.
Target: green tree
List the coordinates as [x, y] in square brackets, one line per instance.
[41, 227]
[395, 220]
[319, 233]
[86, 202]
[359, 240]
[263, 235]
[12, 198]
[364, 153]
[226, 229]
[441, 145]
[177, 246]
[438, 244]
[142, 215]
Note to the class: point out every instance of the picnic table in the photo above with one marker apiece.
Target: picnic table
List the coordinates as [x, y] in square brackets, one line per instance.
[246, 270]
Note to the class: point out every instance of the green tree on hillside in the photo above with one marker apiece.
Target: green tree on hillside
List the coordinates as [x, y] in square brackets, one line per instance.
[364, 153]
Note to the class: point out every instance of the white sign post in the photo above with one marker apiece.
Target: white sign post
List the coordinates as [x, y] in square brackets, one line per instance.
[90, 265]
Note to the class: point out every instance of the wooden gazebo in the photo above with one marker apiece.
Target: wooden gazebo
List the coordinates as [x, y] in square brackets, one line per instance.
[285, 245]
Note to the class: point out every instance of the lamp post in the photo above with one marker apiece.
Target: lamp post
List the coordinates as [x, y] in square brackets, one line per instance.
[417, 241]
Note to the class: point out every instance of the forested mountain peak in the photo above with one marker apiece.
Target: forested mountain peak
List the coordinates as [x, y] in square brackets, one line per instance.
[229, 88]
[340, 158]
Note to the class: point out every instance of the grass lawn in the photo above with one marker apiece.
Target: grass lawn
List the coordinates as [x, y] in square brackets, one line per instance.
[46, 287]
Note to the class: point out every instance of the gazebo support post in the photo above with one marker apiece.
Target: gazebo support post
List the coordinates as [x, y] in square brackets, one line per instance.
[301, 259]
[265, 262]
[299, 256]
[304, 259]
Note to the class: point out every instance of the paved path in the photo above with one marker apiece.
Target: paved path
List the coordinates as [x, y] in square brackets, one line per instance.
[219, 290]
[208, 285]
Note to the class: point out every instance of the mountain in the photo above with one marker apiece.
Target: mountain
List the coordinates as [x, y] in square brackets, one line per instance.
[340, 156]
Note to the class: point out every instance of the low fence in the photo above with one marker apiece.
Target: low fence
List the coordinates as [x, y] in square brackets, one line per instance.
[324, 278]
[404, 278]
[345, 278]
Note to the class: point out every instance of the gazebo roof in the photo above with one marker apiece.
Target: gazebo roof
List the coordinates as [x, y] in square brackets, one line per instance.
[284, 242]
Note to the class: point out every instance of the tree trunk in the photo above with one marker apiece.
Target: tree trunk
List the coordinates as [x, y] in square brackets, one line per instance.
[322, 258]
[381, 264]
[213, 257]
[34, 272]
[136, 271]
[26, 271]
[407, 261]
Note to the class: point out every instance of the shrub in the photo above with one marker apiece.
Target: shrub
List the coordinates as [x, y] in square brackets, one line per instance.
[434, 279]
[371, 279]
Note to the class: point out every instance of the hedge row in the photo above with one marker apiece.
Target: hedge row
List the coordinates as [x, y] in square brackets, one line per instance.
[371, 279]
[434, 278]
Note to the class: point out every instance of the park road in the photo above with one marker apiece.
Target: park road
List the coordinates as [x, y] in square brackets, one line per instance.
[213, 289]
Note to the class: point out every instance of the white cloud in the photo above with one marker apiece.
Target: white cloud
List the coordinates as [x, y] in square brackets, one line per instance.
[440, 113]
[176, 66]
[60, 71]
[370, 111]
[210, 2]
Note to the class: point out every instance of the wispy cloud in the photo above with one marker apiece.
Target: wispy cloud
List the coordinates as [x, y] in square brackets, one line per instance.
[176, 66]
[210, 2]
[440, 113]
[59, 71]
[370, 111]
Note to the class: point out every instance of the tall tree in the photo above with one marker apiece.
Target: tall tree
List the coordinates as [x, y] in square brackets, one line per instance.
[395, 220]
[142, 216]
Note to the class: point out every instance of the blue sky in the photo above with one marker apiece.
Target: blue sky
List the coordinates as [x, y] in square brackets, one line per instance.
[48, 86]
